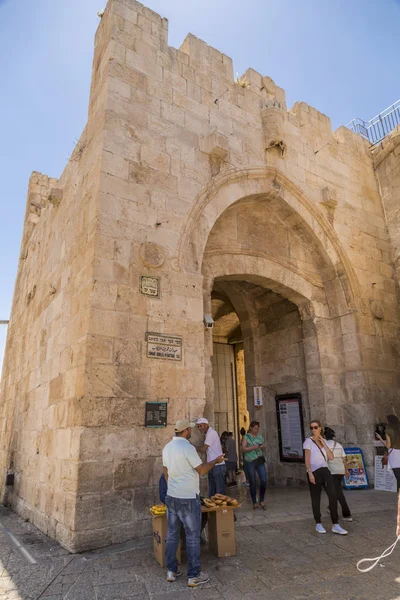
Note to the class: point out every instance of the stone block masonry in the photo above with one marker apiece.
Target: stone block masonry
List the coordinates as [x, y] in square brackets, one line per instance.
[186, 175]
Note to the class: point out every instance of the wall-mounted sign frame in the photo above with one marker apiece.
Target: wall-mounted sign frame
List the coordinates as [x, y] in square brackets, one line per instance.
[150, 286]
[289, 413]
[258, 395]
[156, 414]
[357, 469]
[160, 345]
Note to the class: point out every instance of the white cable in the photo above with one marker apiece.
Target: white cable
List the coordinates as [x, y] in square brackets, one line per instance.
[376, 560]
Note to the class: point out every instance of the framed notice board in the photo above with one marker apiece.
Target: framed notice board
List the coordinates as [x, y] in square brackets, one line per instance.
[357, 470]
[385, 479]
[156, 414]
[289, 415]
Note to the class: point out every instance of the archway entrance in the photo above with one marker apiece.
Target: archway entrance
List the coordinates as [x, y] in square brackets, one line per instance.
[278, 302]
[258, 340]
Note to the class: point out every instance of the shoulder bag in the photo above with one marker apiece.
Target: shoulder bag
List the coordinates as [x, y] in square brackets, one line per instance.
[320, 449]
[260, 460]
[385, 458]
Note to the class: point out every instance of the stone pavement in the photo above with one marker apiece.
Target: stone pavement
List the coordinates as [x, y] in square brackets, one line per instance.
[280, 557]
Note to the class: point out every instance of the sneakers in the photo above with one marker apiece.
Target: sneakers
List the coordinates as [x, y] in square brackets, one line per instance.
[319, 528]
[171, 576]
[192, 581]
[347, 518]
[339, 529]
[199, 580]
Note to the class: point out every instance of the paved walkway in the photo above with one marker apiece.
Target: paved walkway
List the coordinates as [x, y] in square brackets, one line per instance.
[280, 557]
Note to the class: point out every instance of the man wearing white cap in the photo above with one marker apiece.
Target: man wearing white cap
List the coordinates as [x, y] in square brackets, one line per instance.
[212, 446]
[182, 467]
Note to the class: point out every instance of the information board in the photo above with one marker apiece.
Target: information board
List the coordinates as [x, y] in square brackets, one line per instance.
[156, 414]
[384, 477]
[358, 479]
[290, 427]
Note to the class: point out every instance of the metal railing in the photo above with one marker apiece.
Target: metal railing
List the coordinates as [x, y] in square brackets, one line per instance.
[380, 126]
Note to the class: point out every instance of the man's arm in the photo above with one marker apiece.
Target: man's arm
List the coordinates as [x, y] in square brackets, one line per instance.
[205, 467]
[202, 448]
[165, 471]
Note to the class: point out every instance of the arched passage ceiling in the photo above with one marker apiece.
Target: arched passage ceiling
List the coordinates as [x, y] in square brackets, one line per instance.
[268, 227]
[268, 307]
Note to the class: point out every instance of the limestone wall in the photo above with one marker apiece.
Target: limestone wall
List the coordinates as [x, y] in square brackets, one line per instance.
[42, 382]
[283, 370]
[387, 165]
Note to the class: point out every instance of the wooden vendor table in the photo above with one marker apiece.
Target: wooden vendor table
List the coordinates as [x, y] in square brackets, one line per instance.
[221, 533]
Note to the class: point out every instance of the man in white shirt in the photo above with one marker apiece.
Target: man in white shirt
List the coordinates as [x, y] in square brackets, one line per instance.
[212, 446]
[182, 467]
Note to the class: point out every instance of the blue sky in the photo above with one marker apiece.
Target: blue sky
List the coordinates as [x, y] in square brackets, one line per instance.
[340, 56]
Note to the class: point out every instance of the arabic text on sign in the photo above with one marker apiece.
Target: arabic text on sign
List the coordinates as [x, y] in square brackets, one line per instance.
[163, 351]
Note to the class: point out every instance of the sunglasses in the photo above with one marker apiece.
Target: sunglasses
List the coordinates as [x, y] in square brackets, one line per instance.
[314, 427]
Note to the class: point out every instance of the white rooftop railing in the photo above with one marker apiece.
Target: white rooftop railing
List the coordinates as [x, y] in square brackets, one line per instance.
[380, 126]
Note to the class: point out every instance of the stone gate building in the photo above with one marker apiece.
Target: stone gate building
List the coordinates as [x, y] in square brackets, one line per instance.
[192, 198]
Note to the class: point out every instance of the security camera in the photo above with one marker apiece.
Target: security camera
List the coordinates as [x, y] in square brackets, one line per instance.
[208, 321]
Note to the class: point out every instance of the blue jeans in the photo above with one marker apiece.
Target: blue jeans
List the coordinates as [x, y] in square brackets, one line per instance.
[254, 467]
[216, 480]
[186, 512]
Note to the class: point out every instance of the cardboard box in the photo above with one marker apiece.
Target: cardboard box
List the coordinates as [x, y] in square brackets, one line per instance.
[160, 529]
[221, 532]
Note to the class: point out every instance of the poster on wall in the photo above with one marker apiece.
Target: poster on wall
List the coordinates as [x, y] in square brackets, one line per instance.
[358, 479]
[384, 477]
[290, 427]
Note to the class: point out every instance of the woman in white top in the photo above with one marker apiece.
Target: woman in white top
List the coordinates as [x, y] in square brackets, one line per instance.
[316, 457]
[338, 468]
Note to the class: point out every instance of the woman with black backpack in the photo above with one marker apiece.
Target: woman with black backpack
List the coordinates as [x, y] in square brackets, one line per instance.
[252, 447]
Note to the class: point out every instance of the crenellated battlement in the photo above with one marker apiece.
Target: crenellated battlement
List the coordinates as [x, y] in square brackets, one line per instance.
[132, 48]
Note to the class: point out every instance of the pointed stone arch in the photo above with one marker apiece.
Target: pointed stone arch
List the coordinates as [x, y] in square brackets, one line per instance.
[266, 182]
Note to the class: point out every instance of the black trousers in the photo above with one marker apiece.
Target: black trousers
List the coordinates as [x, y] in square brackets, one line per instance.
[396, 472]
[323, 479]
[337, 480]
